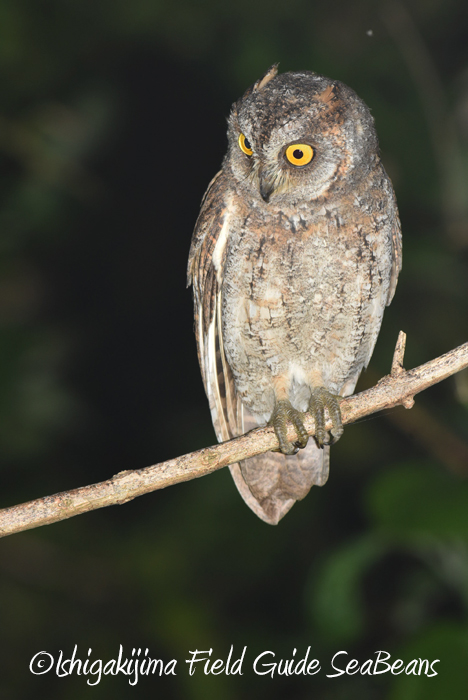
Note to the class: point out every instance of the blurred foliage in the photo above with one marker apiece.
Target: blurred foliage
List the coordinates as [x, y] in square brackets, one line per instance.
[111, 126]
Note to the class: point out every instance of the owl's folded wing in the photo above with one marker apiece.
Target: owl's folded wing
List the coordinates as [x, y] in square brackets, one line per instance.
[205, 272]
[396, 248]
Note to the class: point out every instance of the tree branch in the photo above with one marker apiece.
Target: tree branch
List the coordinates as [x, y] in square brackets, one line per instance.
[398, 388]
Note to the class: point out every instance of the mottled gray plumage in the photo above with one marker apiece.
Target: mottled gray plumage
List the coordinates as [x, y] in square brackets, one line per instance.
[292, 267]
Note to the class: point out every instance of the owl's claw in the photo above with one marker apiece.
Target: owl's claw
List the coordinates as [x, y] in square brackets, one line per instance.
[321, 398]
[282, 413]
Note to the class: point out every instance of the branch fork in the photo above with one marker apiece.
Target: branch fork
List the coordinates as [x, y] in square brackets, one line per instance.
[397, 366]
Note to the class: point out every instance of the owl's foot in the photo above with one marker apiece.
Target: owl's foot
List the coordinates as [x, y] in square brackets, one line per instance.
[320, 399]
[282, 413]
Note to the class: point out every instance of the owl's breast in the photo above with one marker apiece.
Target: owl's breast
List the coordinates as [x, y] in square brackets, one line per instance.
[304, 292]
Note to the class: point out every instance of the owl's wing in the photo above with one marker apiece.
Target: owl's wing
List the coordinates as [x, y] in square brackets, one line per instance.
[205, 273]
[396, 247]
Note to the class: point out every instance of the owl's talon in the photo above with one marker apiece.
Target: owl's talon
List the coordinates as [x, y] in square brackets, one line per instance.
[336, 433]
[282, 413]
[319, 400]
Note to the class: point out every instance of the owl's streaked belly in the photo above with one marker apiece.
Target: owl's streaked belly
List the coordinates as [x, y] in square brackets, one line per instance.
[302, 303]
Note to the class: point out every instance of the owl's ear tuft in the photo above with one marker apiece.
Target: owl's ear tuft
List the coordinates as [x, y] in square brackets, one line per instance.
[329, 93]
[261, 82]
[271, 73]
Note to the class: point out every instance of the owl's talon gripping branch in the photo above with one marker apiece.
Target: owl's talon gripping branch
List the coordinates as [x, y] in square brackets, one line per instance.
[282, 413]
[319, 400]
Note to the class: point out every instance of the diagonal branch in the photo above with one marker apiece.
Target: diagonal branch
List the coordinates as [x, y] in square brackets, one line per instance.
[398, 388]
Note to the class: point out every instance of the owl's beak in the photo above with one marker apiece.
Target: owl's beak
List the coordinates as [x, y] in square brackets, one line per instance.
[267, 186]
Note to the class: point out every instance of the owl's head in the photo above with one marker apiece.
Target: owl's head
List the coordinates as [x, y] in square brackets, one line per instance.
[299, 136]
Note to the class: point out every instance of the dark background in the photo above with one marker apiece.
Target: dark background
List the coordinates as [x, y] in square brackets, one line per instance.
[112, 123]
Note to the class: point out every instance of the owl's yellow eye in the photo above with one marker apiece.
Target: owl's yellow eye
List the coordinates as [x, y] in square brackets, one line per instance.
[299, 153]
[245, 145]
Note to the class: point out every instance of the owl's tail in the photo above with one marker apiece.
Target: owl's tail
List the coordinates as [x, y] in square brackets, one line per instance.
[271, 483]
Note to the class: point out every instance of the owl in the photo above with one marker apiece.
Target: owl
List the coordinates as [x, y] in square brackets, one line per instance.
[295, 254]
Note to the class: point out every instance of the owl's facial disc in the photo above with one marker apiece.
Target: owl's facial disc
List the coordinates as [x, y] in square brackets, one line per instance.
[275, 179]
[298, 136]
[278, 163]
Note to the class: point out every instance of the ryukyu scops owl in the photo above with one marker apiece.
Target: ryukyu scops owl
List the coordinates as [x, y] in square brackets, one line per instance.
[295, 254]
